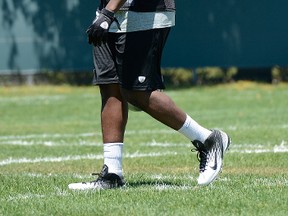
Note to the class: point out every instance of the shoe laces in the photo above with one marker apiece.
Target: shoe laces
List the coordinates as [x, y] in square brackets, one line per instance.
[97, 174]
[99, 178]
[202, 155]
[110, 178]
[202, 158]
[102, 174]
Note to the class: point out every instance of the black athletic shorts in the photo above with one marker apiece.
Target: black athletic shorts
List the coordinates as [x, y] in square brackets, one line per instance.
[131, 59]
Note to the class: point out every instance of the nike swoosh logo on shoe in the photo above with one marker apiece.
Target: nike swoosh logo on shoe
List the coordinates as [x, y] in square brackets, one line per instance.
[214, 167]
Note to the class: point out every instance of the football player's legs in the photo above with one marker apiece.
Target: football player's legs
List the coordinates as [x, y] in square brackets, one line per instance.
[141, 77]
[114, 112]
[140, 80]
[158, 105]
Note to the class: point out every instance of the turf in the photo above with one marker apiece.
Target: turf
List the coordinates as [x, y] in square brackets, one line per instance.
[50, 136]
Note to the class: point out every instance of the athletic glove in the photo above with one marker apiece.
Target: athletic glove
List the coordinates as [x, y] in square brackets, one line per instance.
[97, 32]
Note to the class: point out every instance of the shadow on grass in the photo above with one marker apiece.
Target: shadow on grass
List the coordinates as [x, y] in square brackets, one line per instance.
[155, 183]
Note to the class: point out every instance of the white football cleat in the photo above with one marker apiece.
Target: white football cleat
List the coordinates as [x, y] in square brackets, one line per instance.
[210, 155]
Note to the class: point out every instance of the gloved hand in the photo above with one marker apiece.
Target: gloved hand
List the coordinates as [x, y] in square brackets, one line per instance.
[97, 32]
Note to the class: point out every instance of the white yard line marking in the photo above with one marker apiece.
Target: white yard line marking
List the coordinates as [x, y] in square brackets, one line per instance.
[78, 157]
[50, 143]
[48, 159]
[245, 149]
[47, 136]
[282, 148]
[128, 132]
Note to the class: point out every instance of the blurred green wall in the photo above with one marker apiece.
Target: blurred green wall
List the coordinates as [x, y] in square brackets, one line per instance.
[50, 35]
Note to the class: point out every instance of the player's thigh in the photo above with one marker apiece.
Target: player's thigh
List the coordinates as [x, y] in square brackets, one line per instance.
[105, 70]
[139, 59]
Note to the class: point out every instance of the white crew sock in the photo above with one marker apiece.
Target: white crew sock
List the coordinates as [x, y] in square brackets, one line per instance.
[113, 157]
[193, 131]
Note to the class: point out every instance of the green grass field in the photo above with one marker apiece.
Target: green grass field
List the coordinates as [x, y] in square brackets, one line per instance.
[50, 137]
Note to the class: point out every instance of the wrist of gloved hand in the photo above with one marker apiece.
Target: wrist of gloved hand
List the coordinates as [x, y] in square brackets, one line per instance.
[108, 13]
